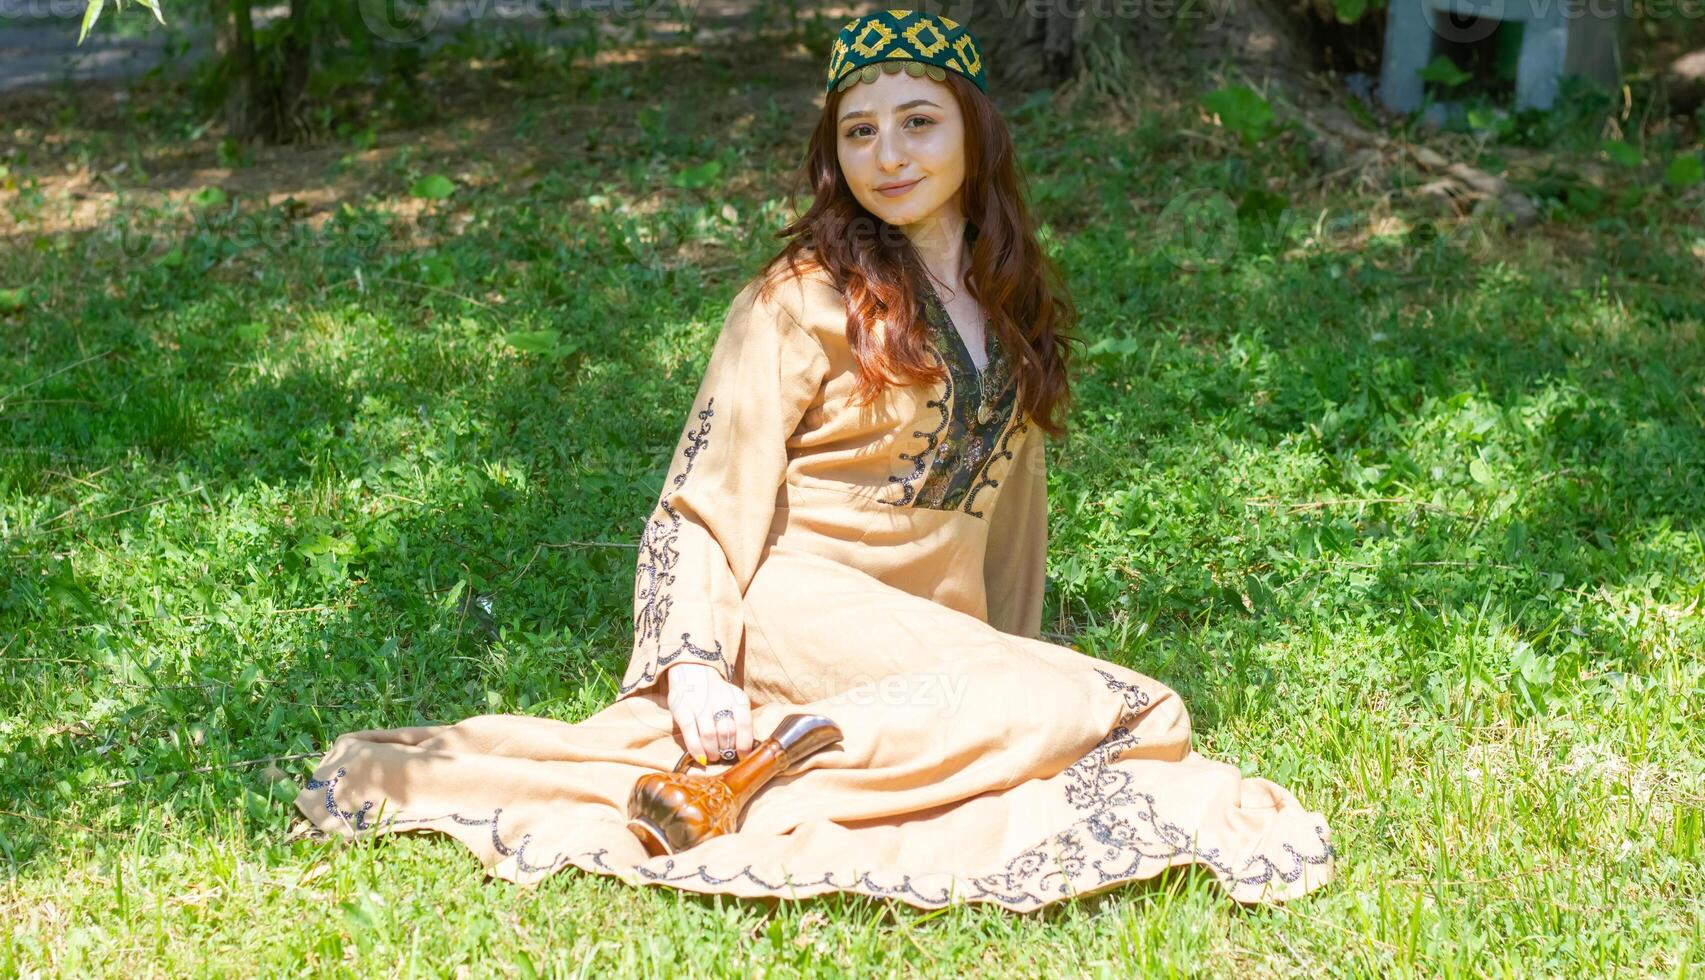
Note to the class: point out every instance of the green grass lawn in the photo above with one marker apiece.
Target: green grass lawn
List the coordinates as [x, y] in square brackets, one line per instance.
[1409, 509]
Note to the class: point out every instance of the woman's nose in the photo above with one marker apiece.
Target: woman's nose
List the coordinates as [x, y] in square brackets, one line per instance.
[888, 154]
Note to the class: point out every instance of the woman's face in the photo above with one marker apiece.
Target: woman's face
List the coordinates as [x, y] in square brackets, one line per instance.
[903, 130]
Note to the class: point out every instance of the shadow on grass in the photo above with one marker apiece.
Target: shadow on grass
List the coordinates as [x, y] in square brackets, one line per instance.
[468, 117]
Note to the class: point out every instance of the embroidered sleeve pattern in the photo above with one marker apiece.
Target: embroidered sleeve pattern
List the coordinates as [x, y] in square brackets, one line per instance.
[702, 541]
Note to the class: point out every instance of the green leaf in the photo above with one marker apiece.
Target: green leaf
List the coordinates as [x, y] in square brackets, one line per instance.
[208, 197]
[64, 585]
[1535, 667]
[230, 152]
[252, 331]
[1488, 120]
[359, 912]
[1349, 11]
[547, 343]
[433, 187]
[702, 175]
[533, 341]
[12, 300]
[1444, 71]
[1584, 199]
[1515, 538]
[1241, 109]
[90, 15]
[1481, 473]
[1684, 172]
[1113, 347]
[437, 270]
[1622, 153]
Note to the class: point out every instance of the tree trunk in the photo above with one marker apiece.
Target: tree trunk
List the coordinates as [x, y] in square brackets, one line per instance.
[1029, 44]
[1034, 44]
[265, 90]
[234, 46]
[289, 122]
[1684, 82]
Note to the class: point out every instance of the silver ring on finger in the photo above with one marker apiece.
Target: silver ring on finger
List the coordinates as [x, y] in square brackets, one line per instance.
[725, 734]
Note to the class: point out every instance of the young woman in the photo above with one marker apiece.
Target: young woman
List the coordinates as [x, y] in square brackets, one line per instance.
[854, 524]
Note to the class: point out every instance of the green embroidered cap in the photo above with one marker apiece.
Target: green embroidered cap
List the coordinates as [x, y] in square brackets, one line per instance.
[915, 40]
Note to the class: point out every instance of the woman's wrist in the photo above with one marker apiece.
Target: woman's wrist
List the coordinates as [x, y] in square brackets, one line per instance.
[693, 666]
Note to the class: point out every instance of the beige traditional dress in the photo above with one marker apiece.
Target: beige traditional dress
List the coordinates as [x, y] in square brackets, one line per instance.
[882, 566]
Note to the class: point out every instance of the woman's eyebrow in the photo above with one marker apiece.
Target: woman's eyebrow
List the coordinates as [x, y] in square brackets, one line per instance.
[902, 107]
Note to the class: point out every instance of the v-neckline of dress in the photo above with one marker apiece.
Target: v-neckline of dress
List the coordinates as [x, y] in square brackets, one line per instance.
[959, 338]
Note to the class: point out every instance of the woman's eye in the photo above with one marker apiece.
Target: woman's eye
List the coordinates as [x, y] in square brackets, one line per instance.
[858, 131]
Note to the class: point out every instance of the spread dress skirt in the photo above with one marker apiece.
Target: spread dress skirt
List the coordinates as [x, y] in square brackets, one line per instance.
[881, 565]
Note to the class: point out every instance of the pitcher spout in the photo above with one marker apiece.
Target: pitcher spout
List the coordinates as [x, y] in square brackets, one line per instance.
[803, 735]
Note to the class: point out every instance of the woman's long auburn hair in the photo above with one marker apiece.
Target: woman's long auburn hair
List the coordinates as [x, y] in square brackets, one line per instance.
[879, 272]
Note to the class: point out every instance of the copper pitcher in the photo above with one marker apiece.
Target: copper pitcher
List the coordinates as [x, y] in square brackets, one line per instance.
[670, 812]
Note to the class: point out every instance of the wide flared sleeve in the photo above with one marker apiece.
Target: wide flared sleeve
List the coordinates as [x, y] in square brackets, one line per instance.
[1015, 562]
[703, 540]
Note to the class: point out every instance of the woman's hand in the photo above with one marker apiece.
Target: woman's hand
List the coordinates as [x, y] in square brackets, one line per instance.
[713, 716]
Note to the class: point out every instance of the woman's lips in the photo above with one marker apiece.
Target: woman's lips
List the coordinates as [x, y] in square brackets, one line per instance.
[897, 191]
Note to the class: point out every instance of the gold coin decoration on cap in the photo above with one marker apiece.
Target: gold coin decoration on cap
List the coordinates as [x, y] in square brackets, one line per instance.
[924, 44]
